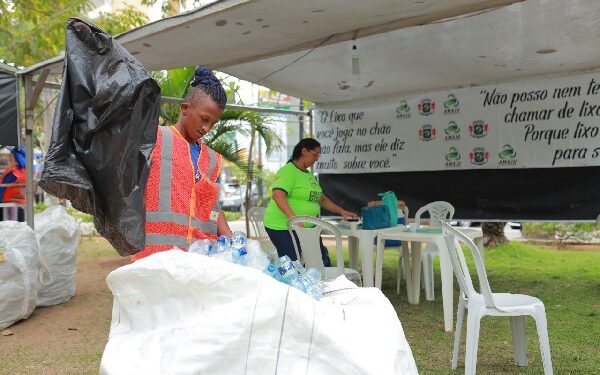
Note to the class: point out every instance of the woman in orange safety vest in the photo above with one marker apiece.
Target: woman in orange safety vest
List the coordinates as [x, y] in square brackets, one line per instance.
[182, 191]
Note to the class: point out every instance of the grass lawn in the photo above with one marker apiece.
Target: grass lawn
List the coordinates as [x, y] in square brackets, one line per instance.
[70, 338]
[568, 282]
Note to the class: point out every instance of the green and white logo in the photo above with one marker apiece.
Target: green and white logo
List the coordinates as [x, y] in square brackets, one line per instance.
[452, 132]
[453, 158]
[507, 155]
[451, 105]
[403, 110]
[507, 152]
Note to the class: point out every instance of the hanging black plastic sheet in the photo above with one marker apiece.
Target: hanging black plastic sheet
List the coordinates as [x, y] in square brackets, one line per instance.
[103, 133]
[9, 110]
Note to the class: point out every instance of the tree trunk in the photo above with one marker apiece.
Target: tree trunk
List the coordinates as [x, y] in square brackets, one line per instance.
[493, 233]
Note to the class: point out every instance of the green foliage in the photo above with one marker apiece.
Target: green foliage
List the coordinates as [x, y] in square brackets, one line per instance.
[39, 207]
[232, 216]
[562, 232]
[268, 178]
[173, 83]
[34, 30]
[78, 215]
[121, 20]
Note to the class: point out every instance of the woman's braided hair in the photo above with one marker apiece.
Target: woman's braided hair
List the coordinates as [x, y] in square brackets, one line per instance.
[206, 83]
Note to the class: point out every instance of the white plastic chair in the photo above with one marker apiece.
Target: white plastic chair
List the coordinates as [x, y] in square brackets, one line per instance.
[516, 306]
[256, 215]
[310, 244]
[438, 210]
[405, 212]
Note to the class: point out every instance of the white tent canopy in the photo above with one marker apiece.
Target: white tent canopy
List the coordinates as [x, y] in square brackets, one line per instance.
[404, 47]
[304, 48]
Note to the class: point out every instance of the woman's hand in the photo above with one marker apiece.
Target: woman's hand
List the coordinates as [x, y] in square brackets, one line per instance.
[348, 215]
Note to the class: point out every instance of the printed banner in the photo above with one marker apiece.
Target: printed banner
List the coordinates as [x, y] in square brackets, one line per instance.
[537, 124]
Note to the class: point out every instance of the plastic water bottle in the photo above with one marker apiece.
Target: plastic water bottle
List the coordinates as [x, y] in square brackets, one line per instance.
[270, 270]
[203, 247]
[298, 283]
[222, 243]
[255, 257]
[238, 240]
[286, 271]
[299, 266]
[313, 275]
[315, 291]
[312, 281]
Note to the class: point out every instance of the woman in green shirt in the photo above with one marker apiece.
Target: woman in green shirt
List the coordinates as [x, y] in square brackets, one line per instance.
[296, 192]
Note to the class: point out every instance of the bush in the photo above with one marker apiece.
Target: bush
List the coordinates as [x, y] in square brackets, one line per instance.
[563, 232]
[232, 216]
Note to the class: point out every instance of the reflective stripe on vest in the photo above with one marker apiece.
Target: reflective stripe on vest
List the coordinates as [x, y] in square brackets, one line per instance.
[181, 219]
[164, 214]
[166, 239]
[166, 169]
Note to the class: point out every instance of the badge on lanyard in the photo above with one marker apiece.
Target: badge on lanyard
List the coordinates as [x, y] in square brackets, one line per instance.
[214, 215]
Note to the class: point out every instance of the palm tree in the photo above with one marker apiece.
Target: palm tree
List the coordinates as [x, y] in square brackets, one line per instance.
[176, 83]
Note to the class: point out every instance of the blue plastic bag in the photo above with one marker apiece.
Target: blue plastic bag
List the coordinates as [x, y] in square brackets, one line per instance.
[375, 217]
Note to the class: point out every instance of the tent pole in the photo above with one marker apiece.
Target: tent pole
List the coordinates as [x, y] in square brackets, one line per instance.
[31, 96]
[311, 122]
[301, 122]
[29, 150]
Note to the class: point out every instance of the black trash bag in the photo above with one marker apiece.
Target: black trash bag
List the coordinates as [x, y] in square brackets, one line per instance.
[103, 132]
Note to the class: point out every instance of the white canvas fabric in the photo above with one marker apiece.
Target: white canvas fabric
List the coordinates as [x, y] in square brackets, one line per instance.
[59, 235]
[21, 268]
[181, 313]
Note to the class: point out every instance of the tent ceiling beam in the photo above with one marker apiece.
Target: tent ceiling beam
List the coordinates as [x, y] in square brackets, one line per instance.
[167, 99]
[37, 89]
[50, 85]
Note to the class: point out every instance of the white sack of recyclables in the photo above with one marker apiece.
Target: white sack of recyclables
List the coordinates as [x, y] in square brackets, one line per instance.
[181, 313]
[21, 270]
[58, 234]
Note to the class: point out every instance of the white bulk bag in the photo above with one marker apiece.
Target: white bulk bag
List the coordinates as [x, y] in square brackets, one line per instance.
[59, 235]
[180, 313]
[19, 273]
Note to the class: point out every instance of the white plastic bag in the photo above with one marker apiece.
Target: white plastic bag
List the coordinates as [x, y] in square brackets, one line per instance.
[181, 313]
[59, 235]
[19, 272]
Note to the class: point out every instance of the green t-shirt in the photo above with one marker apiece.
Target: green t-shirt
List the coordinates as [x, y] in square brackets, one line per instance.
[303, 196]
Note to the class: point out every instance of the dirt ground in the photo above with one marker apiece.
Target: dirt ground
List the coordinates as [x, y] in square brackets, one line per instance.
[70, 338]
[67, 338]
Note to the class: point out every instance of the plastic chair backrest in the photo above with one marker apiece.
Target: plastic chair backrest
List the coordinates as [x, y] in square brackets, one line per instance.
[257, 216]
[405, 212]
[453, 238]
[310, 241]
[438, 210]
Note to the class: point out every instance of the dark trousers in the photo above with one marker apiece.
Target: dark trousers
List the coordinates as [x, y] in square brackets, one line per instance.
[284, 245]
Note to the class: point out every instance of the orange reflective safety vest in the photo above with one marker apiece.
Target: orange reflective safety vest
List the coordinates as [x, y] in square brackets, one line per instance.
[179, 210]
[15, 194]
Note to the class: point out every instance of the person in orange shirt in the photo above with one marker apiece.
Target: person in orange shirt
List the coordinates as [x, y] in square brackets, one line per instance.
[183, 184]
[16, 176]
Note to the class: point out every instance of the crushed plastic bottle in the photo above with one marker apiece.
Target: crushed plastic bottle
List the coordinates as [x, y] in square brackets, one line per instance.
[203, 247]
[293, 273]
[286, 271]
[239, 249]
